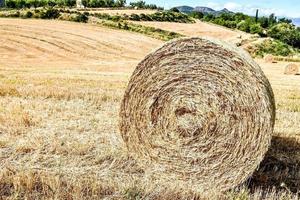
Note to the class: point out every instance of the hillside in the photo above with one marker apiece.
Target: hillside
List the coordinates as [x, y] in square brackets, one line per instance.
[58, 43]
[201, 29]
[202, 9]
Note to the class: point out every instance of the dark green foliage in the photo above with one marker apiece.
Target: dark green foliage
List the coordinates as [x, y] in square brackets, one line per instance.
[138, 4]
[281, 29]
[286, 33]
[38, 3]
[244, 25]
[272, 19]
[209, 17]
[120, 3]
[143, 5]
[175, 10]
[285, 20]
[264, 22]
[98, 3]
[196, 15]
[81, 18]
[28, 14]
[256, 29]
[68, 3]
[50, 14]
[256, 16]
[273, 47]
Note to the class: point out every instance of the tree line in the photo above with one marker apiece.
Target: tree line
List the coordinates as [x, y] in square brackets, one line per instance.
[18, 4]
[281, 29]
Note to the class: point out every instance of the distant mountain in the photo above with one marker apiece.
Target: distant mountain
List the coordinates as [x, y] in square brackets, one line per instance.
[204, 10]
[225, 10]
[296, 21]
[185, 9]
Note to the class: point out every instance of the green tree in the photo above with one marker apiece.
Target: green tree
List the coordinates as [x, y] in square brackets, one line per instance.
[286, 33]
[264, 22]
[272, 19]
[175, 10]
[256, 16]
[120, 3]
[197, 15]
[256, 29]
[139, 4]
[285, 20]
[244, 25]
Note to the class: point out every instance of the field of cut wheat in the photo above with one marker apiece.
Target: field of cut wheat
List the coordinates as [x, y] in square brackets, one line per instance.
[61, 85]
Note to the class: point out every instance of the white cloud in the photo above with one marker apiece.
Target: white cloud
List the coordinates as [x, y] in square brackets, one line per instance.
[249, 9]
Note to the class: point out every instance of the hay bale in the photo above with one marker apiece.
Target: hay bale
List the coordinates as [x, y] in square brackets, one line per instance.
[291, 69]
[269, 59]
[198, 112]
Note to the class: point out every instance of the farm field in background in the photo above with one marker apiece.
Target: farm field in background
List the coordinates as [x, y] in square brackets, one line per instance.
[200, 28]
[61, 84]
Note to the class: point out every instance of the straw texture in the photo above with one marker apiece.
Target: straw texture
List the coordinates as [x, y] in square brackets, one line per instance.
[291, 69]
[198, 111]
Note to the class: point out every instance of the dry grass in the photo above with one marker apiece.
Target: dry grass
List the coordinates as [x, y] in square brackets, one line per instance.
[118, 11]
[201, 29]
[291, 69]
[59, 105]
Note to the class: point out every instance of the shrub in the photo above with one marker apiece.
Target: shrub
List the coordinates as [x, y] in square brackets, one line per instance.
[49, 13]
[197, 15]
[134, 17]
[174, 10]
[120, 3]
[273, 47]
[256, 29]
[209, 17]
[80, 18]
[28, 14]
[286, 33]
[244, 26]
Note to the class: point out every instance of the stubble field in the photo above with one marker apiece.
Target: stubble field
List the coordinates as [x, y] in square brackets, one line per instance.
[61, 84]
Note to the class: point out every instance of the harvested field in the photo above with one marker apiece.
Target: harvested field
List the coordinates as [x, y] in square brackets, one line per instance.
[61, 44]
[199, 28]
[60, 92]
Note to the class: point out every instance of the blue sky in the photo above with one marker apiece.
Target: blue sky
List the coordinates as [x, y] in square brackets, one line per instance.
[287, 8]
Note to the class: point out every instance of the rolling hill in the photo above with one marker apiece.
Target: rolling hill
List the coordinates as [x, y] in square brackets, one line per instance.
[205, 10]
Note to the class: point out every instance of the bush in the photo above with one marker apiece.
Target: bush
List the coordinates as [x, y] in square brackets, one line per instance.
[81, 18]
[286, 33]
[256, 29]
[273, 47]
[28, 14]
[197, 15]
[244, 26]
[208, 17]
[158, 16]
[38, 3]
[120, 3]
[174, 10]
[50, 13]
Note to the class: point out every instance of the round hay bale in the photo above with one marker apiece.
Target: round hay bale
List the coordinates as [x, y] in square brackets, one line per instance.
[269, 59]
[198, 112]
[291, 69]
